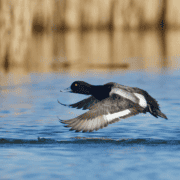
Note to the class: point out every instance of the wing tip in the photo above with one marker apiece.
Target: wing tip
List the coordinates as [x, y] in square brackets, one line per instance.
[63, 104]
[72, 125]
[61, 121]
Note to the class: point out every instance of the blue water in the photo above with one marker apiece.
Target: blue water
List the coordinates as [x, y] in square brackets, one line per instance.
[35, 145]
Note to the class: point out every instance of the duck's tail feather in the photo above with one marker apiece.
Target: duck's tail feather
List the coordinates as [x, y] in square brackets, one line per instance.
[159, 113]
[156, 112]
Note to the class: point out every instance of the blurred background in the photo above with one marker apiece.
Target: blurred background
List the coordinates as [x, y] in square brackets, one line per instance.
[45, 45]
[59, 35]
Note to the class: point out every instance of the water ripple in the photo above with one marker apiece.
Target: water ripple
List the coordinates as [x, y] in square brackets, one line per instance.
[81, 140]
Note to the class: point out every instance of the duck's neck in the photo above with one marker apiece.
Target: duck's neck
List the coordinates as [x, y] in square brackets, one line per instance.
[100, 92]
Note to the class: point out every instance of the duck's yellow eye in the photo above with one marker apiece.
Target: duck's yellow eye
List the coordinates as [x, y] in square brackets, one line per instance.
[75, 84]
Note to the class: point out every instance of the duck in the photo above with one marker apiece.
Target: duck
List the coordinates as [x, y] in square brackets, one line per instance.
[107, 104]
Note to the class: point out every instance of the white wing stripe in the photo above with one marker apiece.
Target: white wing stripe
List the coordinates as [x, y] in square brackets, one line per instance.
[142, 100]
[124, 94]
[110, 117]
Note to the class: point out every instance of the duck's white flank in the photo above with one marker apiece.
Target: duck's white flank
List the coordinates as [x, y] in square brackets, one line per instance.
[124, 94]
[110, 117]
[142, 100]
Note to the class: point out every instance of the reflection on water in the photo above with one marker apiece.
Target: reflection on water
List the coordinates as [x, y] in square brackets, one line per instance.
[75, 50]
[41, 20]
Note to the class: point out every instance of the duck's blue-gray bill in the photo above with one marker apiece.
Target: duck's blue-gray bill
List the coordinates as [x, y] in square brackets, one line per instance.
[66, 90]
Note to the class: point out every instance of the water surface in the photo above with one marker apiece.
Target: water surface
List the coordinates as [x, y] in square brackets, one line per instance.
[35, 145]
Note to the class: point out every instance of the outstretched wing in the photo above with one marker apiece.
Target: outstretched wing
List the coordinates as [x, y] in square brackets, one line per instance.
[103, 113]
[84, 104]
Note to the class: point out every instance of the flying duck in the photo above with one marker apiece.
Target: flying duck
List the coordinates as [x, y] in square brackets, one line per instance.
[107, 104]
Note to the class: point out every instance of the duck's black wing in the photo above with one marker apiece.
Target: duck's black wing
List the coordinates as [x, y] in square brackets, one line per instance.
[103, 113]
[84, 104]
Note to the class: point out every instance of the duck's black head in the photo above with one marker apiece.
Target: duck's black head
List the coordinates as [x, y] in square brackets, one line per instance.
[81, 87]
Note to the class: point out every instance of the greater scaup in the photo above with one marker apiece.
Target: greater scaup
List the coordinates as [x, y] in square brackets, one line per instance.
[107, 104]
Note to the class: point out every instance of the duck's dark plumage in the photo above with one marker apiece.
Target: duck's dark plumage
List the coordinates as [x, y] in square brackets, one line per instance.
[84, 104]
[108, 103]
